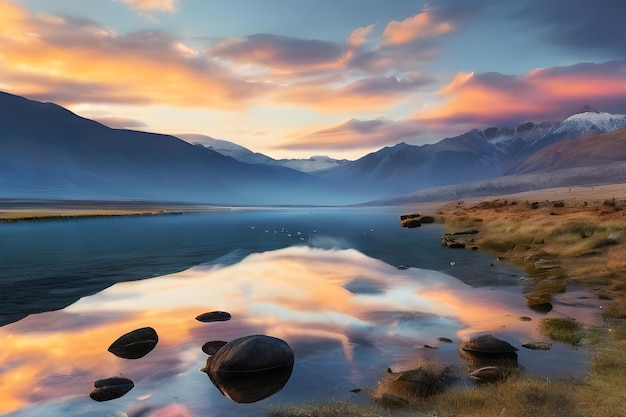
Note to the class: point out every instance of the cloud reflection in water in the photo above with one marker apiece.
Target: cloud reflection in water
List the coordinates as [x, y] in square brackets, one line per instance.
[315, 299]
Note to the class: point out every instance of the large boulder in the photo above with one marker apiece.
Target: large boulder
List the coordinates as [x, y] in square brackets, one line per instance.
[251, 368]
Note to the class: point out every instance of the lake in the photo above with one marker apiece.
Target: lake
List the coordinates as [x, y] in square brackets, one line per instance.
[349, 290]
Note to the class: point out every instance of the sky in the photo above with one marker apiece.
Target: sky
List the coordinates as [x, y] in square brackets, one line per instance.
[296, 78]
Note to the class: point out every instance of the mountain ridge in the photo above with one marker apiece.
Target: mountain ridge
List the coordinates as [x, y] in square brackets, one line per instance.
[46, 151]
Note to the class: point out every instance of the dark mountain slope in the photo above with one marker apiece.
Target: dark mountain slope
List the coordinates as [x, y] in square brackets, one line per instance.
[48, 151]
[588, 150]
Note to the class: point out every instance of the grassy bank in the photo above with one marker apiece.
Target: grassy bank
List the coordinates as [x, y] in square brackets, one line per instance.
[556, 242]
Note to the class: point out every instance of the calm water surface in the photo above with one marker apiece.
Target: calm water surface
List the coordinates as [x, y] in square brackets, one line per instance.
[351, 291]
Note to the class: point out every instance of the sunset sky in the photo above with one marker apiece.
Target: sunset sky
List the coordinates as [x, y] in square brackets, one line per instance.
[295, 78]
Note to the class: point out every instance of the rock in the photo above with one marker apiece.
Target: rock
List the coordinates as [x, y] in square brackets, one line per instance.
[539, 307]
[249, 354]
[251, 368]
[411, 223]
[445, 340]
[211, 348]
[135, 344]
[213, 316]
[487, 344]
[525, 318]
[110, 388]
[538, 345]
[409, 216]
[491, 373]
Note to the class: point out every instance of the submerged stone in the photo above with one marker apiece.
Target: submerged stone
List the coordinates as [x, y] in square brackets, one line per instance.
[135, 344]
[487, 344]
[211, 348]
[213, 316]
[538, 345]
[110, 388]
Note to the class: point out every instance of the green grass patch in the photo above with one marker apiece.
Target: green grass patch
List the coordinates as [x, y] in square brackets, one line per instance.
[564, 330]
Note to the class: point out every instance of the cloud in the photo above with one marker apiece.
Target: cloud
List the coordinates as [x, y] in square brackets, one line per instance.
[158, 5]
[543, 94]
[281, 53]
[578, 24]
[415, 28]
[355, 134]
[68, 60]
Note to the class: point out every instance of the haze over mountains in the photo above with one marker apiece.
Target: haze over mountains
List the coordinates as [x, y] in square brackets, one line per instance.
[47, 151]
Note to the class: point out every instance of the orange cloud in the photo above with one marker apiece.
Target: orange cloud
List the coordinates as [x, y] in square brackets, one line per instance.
[68, 61]
[417, 27]
[162, 5]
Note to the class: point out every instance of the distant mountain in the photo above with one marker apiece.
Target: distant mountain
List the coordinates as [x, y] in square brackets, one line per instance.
[47, 151]
[228, 148]
[473, 156]
[243, 154]
[312, 164]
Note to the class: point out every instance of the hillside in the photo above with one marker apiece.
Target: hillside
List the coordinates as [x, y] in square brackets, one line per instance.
[588, 150]
[47, 151]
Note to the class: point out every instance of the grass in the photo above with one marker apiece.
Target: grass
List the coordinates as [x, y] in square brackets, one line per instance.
[589, 238]
[564, 330]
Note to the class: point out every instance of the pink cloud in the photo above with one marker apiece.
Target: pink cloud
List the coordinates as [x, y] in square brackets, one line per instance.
[542, 94]
[159, 5]
[418, 27]
[356, 134]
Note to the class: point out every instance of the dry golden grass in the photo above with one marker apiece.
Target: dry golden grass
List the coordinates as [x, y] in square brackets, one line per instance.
[588, 237]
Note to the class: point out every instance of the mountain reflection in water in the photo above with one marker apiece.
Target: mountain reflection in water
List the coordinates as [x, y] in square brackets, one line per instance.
[347, 317]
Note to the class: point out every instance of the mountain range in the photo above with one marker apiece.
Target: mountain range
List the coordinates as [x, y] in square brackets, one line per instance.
[47, 151]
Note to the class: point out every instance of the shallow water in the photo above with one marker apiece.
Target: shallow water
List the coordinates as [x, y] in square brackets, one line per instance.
[350, 291]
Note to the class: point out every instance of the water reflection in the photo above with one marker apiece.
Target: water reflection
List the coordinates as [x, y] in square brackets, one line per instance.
[347, 317]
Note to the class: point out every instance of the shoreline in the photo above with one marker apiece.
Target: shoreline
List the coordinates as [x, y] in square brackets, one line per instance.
[558, 237]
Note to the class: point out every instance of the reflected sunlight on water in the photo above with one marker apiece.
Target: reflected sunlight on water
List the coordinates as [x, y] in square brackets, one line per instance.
[346, 316]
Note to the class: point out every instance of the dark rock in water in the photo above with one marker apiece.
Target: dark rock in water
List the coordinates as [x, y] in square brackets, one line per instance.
[538, 345]
[110, 388]
[250, 354]
[251, 368]
[445, 340]
[213, 316]
[211, 348]
[491, 373]
[135, 344]
[541, 308]
[487, 344]
[410, 216]
[525, 318]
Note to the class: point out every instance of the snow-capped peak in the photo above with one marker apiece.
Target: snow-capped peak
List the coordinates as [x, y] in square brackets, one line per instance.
[589, 122]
